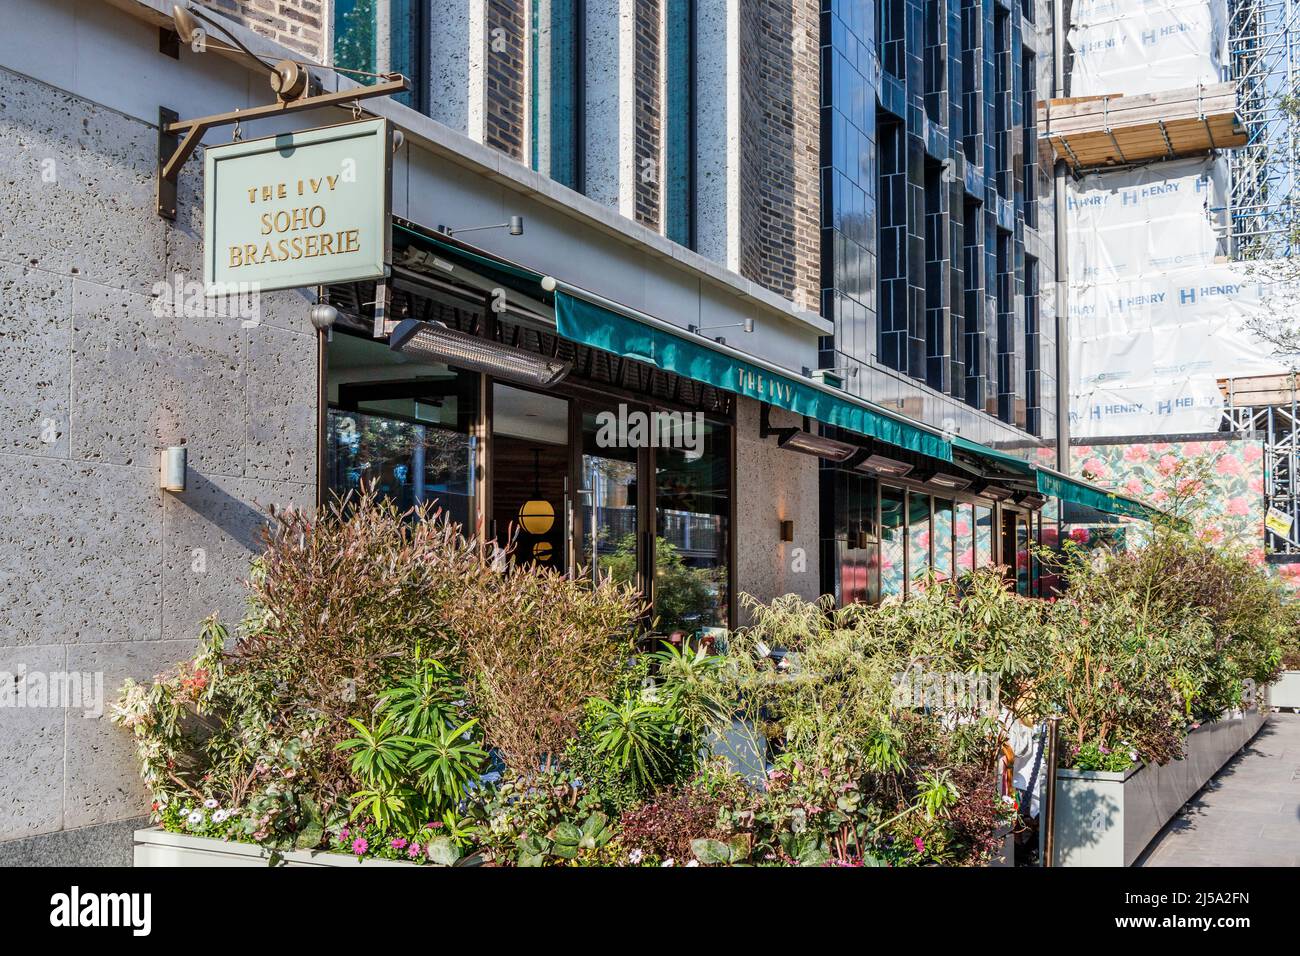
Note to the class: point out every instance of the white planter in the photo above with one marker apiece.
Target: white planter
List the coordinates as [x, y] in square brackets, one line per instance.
[1285, 692]
[157, 847]
[1107, 819]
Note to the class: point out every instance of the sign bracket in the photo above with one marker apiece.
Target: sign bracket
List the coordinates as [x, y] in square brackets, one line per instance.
[177, 138]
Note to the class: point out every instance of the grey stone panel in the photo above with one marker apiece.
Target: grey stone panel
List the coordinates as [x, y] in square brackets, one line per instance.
[107, 844]
[79, 548]
[35, 335]
[31, 746]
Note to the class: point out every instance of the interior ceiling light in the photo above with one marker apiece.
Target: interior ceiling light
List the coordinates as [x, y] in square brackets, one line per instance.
[880, 465]
[434, 342]
[809, 444]
[947, 481]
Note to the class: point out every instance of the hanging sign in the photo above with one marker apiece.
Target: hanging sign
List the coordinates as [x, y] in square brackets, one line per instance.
[297, 209]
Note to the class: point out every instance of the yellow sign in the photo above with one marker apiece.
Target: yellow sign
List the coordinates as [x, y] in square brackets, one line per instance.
[298, 209]
[1279, 522]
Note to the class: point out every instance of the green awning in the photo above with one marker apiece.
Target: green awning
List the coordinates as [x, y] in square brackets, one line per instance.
[591, 324]
[506, 273]
[1000, 458]
[1055, 485]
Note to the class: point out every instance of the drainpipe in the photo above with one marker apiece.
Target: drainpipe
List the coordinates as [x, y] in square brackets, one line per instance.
[1061, 228]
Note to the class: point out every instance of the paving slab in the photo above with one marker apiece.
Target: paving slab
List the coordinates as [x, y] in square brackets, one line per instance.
[1248, 815]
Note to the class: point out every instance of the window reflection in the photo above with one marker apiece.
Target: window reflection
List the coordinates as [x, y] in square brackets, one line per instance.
[607, 509]
[983, 537]
[692, 497]
[943, 534]
[400, 428]
[918, 536]
[893, 528]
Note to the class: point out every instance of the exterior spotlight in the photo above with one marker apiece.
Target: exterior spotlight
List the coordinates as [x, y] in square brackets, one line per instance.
[515, 226]
[171, 474]
[185, 23]
[434, 342]
[323, 316]
[880, 465]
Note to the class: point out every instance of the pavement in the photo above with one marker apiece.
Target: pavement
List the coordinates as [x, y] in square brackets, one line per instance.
[1248, 814]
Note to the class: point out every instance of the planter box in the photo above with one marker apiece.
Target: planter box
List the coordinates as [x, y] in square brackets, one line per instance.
[1285, 692]
[157, 847]
[1107, 819]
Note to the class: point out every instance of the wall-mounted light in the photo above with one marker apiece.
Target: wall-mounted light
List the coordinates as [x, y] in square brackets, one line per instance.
[747, 325]
[171, 472]
[787, 530]
[859, 540]
[323, 316]
[515, 225]
[838, 373]
[433, 341]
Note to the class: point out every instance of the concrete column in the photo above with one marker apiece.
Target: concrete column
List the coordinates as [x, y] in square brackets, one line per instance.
[609, 151]
[458, 65]
[717, 162]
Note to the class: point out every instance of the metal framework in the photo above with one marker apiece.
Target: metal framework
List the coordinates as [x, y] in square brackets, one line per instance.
[1264, 60]
[1279, 426]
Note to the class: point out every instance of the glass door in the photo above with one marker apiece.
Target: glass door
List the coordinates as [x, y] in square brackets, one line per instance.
[530, 475]
[607, 506]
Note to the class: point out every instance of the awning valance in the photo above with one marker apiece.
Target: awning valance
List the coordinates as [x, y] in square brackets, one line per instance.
[591, 324]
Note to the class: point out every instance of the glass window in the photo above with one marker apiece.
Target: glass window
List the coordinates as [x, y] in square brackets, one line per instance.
[400, 427]
[556, 117]
[983, 536]
[944, 522]
[530, 465]
[693, 501]
[679, 121]
[893, 528]
[918, 537]
[383, 36]
[963, 532]
[608, 530]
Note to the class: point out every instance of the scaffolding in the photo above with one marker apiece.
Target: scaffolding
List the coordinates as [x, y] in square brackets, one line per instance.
[1264, 60]
[1268, 408]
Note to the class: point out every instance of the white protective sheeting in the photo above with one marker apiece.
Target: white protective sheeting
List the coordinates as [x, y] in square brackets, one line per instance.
[1155, 321]
[1146, 46]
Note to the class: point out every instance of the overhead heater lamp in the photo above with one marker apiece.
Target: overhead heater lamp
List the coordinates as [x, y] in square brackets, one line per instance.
[880, 465]
[435, 342]
[810, 444]
[948, 482]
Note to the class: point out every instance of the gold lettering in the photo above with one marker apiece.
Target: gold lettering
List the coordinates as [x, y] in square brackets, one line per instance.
[252, 195]
[250, 254]
[353, 239]
[326, 244]
[266, 223]
[315, 185]
[332, 180]
[236, 257]
[280, 192]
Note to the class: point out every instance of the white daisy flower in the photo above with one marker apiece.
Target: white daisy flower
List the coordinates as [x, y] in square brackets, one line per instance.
[634, 857]
[210, 803]
[693, 863]
[220, 816]
[195, 818]
[668, 862]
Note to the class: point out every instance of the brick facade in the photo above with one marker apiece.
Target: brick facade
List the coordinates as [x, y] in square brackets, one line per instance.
[297, 24]
[780, 207]
[648, 113]
[506, 89]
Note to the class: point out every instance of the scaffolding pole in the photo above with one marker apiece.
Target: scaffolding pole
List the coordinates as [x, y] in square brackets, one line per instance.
[1264, 60]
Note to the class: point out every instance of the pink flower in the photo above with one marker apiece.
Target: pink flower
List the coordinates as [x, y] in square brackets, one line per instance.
[1256, 485]
[1133, 486]
[1096, 467]
[413, 851]
[397, 843]
[1046, 453]
[1080, 535]
[1083, 451]
[919, 844]
[1160, 447]
[1228, 465]
[962, 529]
[1167, 465]
[1238, 507]
[1136, 453]
[1256, 557]
[360, 846]
[1194, 448]
[1252, 452]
